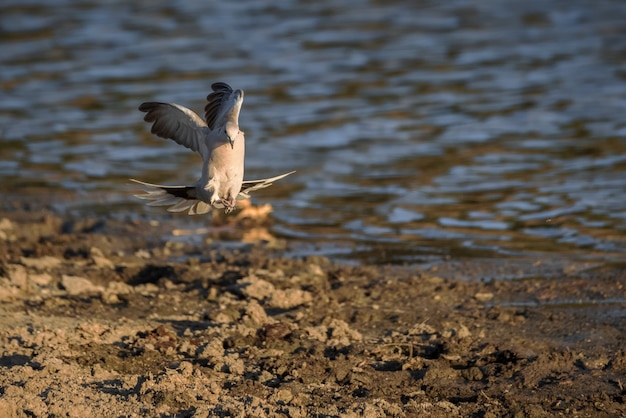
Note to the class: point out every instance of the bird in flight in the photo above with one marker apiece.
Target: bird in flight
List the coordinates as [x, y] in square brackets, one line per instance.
[219, 142]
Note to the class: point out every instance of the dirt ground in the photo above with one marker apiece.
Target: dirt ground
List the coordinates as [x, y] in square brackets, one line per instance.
[106, 317]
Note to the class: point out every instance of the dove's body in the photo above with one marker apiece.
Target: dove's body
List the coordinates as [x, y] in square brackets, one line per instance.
[219, 142]
[222, 173]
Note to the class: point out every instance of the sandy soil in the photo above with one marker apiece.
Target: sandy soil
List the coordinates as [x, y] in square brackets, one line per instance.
[104, 317]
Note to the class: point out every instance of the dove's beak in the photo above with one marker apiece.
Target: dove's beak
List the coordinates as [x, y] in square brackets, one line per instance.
[232, 131]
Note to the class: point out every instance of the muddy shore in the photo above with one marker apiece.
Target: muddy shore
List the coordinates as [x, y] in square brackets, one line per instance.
[105, 317]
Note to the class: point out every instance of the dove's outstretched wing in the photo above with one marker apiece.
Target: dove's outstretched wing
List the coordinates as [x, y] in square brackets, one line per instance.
[178, 198]
[182, 198]
[176, 122]
[252, 185]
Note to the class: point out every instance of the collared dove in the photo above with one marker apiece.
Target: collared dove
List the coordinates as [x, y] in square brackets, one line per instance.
[219, 142]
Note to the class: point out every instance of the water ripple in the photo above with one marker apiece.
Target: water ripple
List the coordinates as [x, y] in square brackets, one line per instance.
[491, 129]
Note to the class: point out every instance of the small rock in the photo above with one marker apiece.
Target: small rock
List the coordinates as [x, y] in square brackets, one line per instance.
[255, 313]
[185, 368]
[5, 227]
[591, 363]
[75, 285]
[283, 396]
[341, 334]
[143, 254]
[233, 365]
[483, 296]
[275, 331]
[6, 224]
[319, 333]
[42, 279]
[316, 270]
[290, 298]
[42, 263]
[17, 275]
[167, 284]
[472, 374]
[213, 349]
[8, 293]
[265, 376]
[102, 262]
[463, 332]
[256, 288]
[147, 289]
[109, 298]
[120, 288]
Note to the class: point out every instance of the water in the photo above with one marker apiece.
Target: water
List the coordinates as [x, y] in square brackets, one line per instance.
[421, 130]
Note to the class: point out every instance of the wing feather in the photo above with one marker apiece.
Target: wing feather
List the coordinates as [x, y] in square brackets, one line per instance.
[181, 206]
[220, 102]
[176, 122]
[251, 185]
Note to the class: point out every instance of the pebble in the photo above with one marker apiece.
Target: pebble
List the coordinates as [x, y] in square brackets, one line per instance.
[41, 263]
[75, 285]
[42, 279]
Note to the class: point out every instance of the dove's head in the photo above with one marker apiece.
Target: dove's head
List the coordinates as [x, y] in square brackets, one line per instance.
[238, 96]
[232, 130]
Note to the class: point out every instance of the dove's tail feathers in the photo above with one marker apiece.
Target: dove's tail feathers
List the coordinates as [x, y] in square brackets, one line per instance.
[181, 198]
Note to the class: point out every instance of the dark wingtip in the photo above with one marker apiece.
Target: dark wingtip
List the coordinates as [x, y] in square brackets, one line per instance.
[147, 106]
[220, 90]
[220, 86]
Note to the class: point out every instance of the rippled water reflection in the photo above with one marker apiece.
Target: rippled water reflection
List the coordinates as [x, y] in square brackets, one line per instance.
[419, 129]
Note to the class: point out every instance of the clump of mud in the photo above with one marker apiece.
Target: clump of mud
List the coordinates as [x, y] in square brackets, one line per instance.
[104, 317]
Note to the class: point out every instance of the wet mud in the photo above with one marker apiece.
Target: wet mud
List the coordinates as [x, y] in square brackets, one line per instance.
[106, 317]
